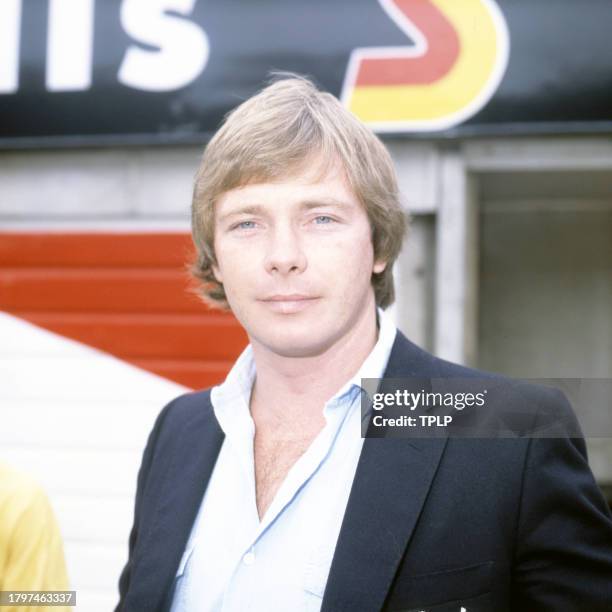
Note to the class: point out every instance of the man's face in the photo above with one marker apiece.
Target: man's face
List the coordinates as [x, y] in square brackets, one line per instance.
[296, 259]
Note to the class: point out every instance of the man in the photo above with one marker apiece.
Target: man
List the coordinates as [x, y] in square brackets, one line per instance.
[261, 494]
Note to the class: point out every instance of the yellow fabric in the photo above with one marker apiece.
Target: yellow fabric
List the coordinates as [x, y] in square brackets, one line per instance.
[31, 548]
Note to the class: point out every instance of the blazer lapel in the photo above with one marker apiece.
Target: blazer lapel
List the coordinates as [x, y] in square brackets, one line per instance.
[391, 484]
[179, 499]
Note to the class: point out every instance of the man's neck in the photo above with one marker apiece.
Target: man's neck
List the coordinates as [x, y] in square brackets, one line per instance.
[289, 393]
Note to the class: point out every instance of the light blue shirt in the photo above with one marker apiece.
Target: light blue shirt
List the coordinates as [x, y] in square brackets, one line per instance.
[233, 562]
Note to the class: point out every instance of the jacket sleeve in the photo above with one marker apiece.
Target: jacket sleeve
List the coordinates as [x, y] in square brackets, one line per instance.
[563, 557]
[143, 472]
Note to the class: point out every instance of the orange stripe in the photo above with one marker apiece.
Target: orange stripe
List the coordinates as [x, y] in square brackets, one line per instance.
[95, 249]
[211, 318]
[137, 337]
[442, 52]
[126, 294]
[98, 290]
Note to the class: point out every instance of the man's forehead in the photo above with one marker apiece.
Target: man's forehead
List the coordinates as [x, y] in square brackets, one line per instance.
[312, 169]
[307, 188]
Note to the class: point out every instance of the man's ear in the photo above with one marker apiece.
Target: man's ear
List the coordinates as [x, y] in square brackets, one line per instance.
[379, 266]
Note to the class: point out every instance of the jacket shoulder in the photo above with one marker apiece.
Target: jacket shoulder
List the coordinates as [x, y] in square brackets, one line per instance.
[184, 412]
[540, 405]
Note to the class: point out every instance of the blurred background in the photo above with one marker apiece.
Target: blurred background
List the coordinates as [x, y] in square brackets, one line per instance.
[498, 115]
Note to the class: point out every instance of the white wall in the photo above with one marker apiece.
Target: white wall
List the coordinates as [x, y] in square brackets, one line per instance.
[46, 188]
[78, 420]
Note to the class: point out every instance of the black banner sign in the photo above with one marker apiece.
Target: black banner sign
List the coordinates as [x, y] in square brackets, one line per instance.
[147, 71]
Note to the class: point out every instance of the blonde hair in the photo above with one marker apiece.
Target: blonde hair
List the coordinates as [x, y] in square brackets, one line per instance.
[273, 135]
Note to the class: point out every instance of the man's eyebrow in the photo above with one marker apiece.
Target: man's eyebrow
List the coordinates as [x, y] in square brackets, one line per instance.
[308, 204]
[249, 209]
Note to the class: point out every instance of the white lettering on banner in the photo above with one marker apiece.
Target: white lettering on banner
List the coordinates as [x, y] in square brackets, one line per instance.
[10, 29]
[182, 46]
[70, 45]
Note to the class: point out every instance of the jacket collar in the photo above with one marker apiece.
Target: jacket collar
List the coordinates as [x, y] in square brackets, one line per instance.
[391, 484]
[186, 474]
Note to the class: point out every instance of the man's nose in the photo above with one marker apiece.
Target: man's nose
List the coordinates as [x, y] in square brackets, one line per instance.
[285, 253]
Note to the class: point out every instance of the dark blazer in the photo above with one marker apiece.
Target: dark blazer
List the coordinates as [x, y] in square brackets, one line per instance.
[431, 524]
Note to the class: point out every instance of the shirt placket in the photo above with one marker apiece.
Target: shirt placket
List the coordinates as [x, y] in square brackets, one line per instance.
[245, 570]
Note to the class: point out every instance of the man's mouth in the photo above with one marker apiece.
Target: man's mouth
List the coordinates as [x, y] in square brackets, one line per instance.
[288, 303]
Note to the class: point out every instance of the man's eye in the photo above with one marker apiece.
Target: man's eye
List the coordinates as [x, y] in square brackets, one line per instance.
[323, 220]
[244, 225]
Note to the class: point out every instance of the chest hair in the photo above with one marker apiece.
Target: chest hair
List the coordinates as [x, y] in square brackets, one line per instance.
[274, 457]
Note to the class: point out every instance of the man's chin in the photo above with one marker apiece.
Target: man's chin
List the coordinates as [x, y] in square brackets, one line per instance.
[296, 345]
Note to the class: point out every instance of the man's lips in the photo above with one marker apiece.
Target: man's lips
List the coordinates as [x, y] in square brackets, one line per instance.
[288, 303]
[288, 297]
